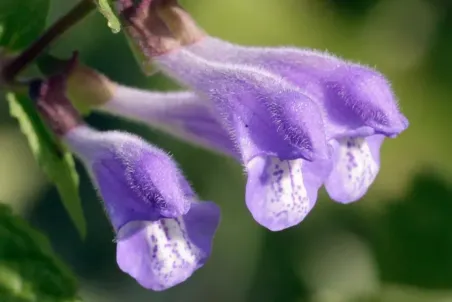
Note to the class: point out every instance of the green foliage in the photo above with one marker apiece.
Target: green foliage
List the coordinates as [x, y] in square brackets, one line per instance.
[105, 9]
[276, 278]
[412, 240]
[140, 57]
[21, 22]
[29, 270]
[56, 162]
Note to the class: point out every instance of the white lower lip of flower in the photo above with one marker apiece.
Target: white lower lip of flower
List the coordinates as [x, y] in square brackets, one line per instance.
[169, 256]
[355, 168]
[276, 192]
[173, 246]
[287, 193]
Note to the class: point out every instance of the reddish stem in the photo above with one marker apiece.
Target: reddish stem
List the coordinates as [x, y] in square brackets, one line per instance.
[19, 63]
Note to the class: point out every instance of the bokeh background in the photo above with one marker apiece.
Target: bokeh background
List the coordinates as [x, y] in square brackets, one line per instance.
[394, 245]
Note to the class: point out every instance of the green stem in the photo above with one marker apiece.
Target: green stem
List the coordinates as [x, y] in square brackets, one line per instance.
[19, 63]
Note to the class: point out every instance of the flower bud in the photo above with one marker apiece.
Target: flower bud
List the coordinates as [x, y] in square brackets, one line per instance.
[158, 26]
[87, 88]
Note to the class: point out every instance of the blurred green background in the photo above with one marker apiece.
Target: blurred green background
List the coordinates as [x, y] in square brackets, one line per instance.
[393, 245]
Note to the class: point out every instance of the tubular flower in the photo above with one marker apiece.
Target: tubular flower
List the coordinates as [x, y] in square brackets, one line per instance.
[276, 130]
[358, 106]
[265, 135]
[182, 114]
[163, 232]
[298, 118]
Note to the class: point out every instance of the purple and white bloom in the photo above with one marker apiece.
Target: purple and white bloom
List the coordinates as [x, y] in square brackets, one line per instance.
[358, 106]
[163, 232]
[298, 118]
[276, 129]
[285, 189]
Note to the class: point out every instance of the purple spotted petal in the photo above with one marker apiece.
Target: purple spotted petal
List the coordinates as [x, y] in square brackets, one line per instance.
[149, 104]
[135, 180]
[356, 162]
[280, 193]
[263, 114]
[182, 114]
[164, 253]
[356, 100]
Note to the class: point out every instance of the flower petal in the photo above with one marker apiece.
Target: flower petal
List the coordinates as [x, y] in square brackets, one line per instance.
[183, 114]
[164, 253]
[279, 193]
[201, 222]
[366, 96]
[355, 99]
[135, 180]
[120, 202]
[257, 108]
[356, 163]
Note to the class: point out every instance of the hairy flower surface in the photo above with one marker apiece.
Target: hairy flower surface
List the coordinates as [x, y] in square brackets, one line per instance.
[358, 106]
[182, 114]
[280, 192]
[274, 126]
[164, 233]
[298, 118]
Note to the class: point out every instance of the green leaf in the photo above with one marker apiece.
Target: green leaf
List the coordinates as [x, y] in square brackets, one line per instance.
[145, 64]
[412, 240]
[21, 21]
[29, 270]
[105, 9]
[57, 163]
[276, 276]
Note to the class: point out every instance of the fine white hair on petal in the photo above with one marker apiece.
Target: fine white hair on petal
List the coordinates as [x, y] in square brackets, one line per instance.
[90, 144]
[80, 141]
[248, 96]
[183, 114]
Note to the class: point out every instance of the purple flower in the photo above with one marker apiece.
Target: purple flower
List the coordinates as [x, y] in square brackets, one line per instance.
[277, 131]
[182, 114]
[275, 128]
[358, 106]
[163, 253]
[278, 192]
[164, 234]
[263, 113]
[298, 118]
